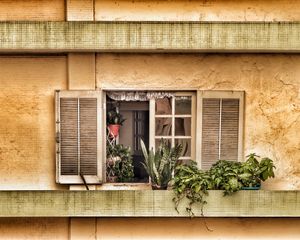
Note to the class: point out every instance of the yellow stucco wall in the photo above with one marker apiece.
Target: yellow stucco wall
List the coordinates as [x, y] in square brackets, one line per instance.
[34, 228]
[271, 83]
[27, 150]
[194, 10]
[32, 10]
[175, 229]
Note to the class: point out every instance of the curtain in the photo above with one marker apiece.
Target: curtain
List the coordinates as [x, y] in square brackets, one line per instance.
[138, 95]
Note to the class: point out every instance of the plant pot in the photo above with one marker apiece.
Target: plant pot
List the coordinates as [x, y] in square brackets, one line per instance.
[114, 130]
[157, 187]
[112, 179]
[257, 187]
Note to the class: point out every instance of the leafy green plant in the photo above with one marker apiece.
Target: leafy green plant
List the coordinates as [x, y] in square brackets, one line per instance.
[160, 164]
[230, 176]
[120, 162]
[113, 117]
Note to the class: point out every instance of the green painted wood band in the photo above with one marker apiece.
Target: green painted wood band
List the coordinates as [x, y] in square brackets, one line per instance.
[145, 203]
[150, 36]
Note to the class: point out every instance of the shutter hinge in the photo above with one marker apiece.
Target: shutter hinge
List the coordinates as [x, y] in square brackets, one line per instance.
[57, 137]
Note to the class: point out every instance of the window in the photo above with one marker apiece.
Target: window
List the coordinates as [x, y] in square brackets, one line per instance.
[220, 126]
[174, 121]
[208, 124]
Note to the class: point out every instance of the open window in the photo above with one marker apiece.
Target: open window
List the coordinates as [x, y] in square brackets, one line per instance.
[208, 124]
[149, 116]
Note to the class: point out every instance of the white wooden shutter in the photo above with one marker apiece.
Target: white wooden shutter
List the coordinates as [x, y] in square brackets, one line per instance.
[220, 126]
[79, 137]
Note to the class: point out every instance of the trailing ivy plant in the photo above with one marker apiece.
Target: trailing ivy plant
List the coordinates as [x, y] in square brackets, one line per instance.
[230, 176]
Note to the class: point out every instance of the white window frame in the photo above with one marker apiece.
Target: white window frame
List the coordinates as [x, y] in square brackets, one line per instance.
[223, 95]
[193, 116]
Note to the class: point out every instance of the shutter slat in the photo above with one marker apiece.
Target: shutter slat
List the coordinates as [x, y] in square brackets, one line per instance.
[229, 129]
[210, 132]
[88, 136]
[69, 136]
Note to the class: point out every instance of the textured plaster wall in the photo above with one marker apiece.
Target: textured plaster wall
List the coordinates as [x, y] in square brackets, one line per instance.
[27, 150]
[32, 10]
[271, 83]
[222, 228]
[202, 10]
[34, 228]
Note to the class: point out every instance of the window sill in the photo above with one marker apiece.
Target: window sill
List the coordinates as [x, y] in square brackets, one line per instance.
[145, 203]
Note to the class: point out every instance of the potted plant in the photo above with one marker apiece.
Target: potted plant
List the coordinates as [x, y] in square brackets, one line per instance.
[229, 176]
[160, 165]
[119, 163]
[253, 171]
[114, 121]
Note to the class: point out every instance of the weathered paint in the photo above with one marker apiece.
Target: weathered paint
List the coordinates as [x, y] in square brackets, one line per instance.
[32, 10]
[145, 203]
[195, 229]
[27, 146]
[197, 10]
[149, 36]
[81, 71]
[80, 10]
[34, 228]
[271, 84]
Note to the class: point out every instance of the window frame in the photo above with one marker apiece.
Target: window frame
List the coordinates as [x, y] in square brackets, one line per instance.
[173, 137]
[222, 94]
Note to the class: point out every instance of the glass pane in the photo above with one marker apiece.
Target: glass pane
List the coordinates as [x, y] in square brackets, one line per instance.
[163, 126]
[183, 105]
[183, 126]
[163, 106]
[186, 146]
[158, 142]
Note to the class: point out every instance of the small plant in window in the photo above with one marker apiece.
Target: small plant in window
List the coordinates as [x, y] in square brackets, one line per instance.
[119, 164]
[114, 121]
[160, 165]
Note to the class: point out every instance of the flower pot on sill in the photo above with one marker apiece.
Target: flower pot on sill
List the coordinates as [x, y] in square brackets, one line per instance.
[257, 187]
[157, 187]
[112, 179]
[114, 130]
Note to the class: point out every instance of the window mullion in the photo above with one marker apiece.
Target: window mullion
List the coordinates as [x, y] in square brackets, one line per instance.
[173, 122]
[220, 128]
[78, 135]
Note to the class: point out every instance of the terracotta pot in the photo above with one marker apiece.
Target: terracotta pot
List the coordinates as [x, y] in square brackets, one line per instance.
[112, 179]
[114, 130]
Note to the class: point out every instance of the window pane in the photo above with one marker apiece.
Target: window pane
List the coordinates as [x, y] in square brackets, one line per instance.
[163, 126]
[163, 106]
[183, 126]
[186, 146]
[183, 105]
[158, 142]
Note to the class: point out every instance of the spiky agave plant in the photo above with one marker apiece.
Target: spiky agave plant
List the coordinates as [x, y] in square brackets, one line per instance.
[160, 165]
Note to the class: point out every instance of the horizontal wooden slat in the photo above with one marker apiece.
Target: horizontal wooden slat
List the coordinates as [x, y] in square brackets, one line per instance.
[210, 131]
[69, 136]
[150, 36]
[88, 136]
[145, 203]
[229, 129]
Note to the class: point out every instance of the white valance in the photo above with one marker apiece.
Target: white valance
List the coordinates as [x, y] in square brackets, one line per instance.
[138, 95]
